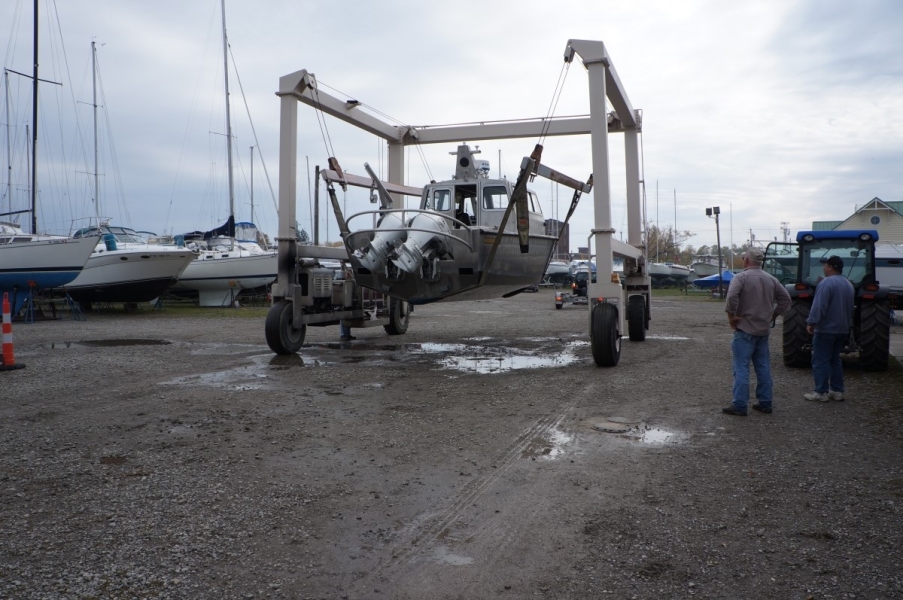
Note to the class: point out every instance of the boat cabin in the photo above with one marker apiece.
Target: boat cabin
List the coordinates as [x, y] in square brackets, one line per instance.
[472, 198]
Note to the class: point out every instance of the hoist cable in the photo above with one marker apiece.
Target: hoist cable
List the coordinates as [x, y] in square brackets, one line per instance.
[556, 96]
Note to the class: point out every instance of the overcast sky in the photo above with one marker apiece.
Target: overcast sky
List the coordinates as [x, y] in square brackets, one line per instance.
[777, 111]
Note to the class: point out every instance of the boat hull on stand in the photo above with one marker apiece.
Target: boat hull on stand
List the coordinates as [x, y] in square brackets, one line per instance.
[219, 276]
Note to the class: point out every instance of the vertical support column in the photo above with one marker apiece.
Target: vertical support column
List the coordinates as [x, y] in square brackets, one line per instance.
[396, 170]
[596, 69]
[288, 154]
[634, 206]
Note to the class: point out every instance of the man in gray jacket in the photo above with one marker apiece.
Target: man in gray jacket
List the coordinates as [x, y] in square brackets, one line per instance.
[829, 320]
[754, 300]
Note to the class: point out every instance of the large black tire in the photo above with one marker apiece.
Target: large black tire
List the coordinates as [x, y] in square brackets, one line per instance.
[796, 336]
[399, 315]
[282, 337]
[874, 335]
[636, 318]
[606, 339]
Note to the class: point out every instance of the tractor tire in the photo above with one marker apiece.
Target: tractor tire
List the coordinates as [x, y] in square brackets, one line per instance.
[874, 335]
[606, 339]
[796, 336]
[636, 318]
[281, 334]
[399, 316]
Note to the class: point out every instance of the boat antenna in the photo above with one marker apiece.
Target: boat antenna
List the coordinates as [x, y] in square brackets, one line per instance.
[228, 123]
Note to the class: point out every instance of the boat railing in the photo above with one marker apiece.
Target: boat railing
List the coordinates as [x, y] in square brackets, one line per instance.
[402, 213]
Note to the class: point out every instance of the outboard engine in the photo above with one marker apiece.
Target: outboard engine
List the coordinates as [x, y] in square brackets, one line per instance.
[374, 254]
[426, 239]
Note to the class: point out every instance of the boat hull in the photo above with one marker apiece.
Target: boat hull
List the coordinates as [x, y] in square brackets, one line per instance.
[458, 277]
[43, 264]
[128, 275]
[704, 269]
[217, 279]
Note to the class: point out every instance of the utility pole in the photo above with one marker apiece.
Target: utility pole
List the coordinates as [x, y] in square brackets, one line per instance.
[709, 212]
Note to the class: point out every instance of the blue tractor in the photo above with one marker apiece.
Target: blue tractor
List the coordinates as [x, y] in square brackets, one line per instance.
[799, 267]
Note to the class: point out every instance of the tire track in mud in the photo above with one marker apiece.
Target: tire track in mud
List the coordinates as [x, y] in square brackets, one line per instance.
[418, 537]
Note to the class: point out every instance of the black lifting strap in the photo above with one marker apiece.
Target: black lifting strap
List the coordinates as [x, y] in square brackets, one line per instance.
[521, 184]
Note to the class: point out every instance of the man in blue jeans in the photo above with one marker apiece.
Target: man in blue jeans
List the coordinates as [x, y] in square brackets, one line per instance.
[829, 323]
[754, 300]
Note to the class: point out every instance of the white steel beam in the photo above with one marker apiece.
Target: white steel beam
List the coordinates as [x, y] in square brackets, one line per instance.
[303, 86]
[593, 52]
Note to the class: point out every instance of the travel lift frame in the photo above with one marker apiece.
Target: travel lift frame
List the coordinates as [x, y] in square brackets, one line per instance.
[614, 307]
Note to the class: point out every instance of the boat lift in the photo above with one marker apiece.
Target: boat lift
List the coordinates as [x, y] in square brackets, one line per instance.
[615, 307]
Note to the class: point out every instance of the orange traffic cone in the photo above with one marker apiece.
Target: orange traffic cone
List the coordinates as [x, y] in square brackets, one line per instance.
[9, 360]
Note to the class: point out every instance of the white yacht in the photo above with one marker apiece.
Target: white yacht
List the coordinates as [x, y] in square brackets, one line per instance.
[225, 265]
[125, 267]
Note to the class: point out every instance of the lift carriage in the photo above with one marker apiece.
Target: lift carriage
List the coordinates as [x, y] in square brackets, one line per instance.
[459, 244]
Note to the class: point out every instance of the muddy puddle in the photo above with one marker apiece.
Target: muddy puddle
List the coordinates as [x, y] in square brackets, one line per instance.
[495, 359]
[115, 343]
[551, 445]
[634, 431]
[464, 358]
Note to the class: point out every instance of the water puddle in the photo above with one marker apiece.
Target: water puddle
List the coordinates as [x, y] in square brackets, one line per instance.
[635, 431]
[443, 555]
[550, 446]
[656, 436]
[240, 379]
[110, 343]
[487, 359]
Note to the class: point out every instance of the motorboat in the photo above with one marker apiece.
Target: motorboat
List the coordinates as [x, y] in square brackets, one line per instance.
[659, 271]
[125, 267]
[557, 272]
[229, 260]
[704, 265]
[679, 272]
[459, 244]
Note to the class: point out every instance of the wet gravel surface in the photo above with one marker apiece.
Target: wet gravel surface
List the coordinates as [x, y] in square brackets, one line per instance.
[482, 454]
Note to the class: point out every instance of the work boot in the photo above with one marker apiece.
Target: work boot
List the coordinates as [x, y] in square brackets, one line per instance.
[816, 397]
[730, 410]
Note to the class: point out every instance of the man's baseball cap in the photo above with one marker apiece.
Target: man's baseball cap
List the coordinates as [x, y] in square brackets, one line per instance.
[756, 254]
[835, 261]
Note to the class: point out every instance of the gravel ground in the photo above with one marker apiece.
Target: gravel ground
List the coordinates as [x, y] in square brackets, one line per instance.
[171, 455]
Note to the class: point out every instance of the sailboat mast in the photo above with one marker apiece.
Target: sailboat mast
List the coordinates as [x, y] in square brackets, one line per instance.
[228, 118]
[34, 128]
[9, 152]
[252, 185]
[94, 101]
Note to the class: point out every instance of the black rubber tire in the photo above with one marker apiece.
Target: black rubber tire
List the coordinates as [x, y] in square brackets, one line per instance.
[796, 336]
[399, 316]
[874, 335]
[281, 336]
[636, 318]
[558, 305]
[606, 339]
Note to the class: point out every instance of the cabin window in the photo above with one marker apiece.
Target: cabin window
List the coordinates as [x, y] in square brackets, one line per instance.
[534, 203]
[495, 196]
[440, 201]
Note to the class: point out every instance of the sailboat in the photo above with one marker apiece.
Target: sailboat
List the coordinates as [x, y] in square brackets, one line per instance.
[32, 262]
[124, 266]
[229, 259]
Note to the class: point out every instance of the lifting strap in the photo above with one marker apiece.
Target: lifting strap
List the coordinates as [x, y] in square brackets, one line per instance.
[520, 188]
